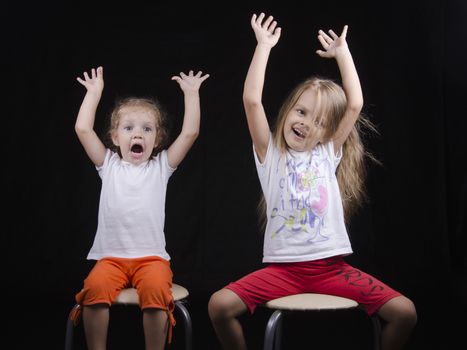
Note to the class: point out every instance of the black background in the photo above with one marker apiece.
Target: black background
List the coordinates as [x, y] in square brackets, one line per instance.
[411, 58]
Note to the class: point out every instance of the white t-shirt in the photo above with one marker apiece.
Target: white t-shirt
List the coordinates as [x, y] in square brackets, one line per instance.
[305, 218]
[132, 208]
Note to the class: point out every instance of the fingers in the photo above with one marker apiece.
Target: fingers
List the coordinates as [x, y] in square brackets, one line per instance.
[191, 74]
[260, 18]
[95, 73]
[83, 81]
[272, 26]
[182, 76]
[269, 24]
[324, 39]
[321, 53]
[344, 31]
[203, 78]
[343, 34]
[332, 35]
[253, 20]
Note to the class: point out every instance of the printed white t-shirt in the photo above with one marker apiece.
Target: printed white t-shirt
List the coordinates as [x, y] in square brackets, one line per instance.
[305, 218]
[132, 208]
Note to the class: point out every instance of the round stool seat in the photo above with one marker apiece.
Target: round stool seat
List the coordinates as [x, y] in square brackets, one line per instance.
[308, 302]
[130, 296]
[311, 301]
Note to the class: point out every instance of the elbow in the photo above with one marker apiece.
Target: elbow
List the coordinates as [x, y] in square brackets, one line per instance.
[355, 106]
[191, 135]
[80, 130]
[251, 103]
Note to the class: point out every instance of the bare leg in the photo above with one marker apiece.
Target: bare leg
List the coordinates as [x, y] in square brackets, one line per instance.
[96, 323]
[155, 328]
[224, 307]
[401, 317]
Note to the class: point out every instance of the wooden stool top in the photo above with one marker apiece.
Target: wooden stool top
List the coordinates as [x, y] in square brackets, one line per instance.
[129, 295]
[311, 301]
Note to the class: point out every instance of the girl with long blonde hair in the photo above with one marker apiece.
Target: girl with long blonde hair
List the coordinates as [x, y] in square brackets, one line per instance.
[311, 172]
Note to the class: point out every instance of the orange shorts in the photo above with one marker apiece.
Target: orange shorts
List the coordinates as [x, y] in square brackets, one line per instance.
[151, 276]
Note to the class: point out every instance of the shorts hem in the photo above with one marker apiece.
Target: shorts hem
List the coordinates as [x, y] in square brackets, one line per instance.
[251, 308]
[374, 309]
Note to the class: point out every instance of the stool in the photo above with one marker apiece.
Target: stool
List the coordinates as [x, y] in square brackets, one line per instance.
[129, 296]
[308, 302]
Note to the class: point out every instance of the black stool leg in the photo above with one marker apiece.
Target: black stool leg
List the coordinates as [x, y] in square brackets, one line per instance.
[278, 335]
[273, 333]
[188, 325]
[376, 332]
[69, 332]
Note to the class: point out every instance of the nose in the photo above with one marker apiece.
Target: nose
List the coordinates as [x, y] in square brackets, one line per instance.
[137, 133]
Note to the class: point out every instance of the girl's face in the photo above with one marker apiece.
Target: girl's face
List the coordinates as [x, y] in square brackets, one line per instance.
[303, 127]
[135, 134]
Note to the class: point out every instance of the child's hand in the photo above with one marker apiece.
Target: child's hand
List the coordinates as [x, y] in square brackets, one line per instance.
[333, 45]
[190, 82]
[95, 83]
[266, 32]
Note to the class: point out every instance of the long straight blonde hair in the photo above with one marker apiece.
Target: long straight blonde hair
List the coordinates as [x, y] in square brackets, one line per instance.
[332, 105]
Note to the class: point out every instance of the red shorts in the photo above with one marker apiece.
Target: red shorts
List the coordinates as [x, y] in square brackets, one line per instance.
[326, 276]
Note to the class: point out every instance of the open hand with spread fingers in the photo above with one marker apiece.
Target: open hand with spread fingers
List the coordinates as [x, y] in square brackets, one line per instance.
[266, 30]
[190, 82]
[332, 43]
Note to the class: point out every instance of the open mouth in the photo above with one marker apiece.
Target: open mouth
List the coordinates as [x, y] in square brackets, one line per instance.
[136, 149]
[299, 133]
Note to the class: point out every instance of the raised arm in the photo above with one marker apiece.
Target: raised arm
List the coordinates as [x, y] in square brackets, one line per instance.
[84, 125]
[190, 85]
[267, 35]
[336, 47]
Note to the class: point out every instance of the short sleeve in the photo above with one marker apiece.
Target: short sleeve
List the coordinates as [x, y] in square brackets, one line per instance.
[335, 157]
[100, 169]
[262, 167]
[164, 159]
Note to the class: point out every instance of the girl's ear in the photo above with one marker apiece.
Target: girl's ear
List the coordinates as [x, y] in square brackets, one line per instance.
[114, 138]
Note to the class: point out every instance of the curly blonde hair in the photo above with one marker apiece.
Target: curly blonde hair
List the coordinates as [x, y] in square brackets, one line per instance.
[153, 107]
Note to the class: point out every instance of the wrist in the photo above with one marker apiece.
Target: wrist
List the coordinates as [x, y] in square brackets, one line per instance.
[191, 93]
[264, 45]
[343, 52]
[95, 94]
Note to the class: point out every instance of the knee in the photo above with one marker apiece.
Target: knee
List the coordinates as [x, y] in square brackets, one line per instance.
[400, 312]
[408, 314]
[403, 313]
[219, 306]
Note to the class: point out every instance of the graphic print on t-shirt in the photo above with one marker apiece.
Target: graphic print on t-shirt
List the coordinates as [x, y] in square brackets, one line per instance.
[304, 196]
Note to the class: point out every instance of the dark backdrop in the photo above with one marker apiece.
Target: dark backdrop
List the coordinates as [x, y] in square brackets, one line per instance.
[411, 57]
